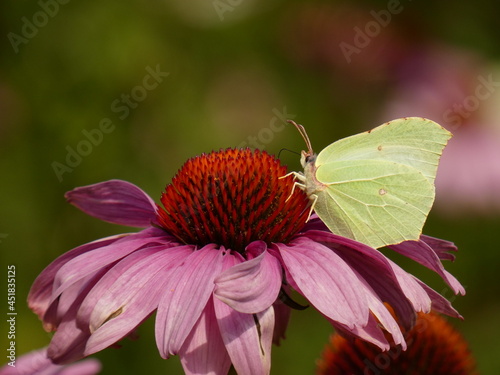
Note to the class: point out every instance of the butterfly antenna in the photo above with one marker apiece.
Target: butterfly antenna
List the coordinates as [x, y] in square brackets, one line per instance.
[287, 149]
[303, 133]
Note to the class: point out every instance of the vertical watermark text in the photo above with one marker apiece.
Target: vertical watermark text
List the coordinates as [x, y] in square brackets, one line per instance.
[11, 315]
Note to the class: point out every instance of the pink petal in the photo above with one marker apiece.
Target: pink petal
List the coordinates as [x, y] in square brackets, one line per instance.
[373, 267]
[120, 284]
[204, 352]
[115, 201]
[33, 362]
[422, 253]
[251, 286]
[412, 289]
[89, 366]
[90, 262]
[282, 317]
[371, 332]
[439, 303]
[384, 317]
[377, 307]
[248, 346]
[185, 297]
[326, 281]
[37, 363]
[68, 343]
[62, 305]
[386, 320]
[442, 248]
[41, 290]
[128, 294]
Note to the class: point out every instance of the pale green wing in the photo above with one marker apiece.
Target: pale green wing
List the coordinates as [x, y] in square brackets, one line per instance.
[376, 202]
[412, 141]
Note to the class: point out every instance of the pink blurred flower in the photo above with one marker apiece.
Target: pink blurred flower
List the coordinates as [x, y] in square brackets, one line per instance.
[216, 262]
[469, 177]
[453, 88]
[37, 363]
[332, 38]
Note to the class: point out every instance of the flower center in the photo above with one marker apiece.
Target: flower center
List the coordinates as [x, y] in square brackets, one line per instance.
[231, 198]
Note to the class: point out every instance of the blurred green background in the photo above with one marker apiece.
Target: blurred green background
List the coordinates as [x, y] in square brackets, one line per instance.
[235, 70]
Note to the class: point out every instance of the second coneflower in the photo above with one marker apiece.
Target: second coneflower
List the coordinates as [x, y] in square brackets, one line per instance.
[228, 240]
[434, 348]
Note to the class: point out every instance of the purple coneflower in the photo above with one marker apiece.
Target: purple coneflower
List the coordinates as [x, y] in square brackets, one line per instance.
[216, 262]
[434, 347]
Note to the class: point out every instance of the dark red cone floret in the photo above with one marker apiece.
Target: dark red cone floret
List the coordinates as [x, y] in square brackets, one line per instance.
[434, 347]
[231, 198]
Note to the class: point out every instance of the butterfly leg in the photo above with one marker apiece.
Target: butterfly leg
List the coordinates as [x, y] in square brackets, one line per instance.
[314, 198]
[300, 184]
[296, 175]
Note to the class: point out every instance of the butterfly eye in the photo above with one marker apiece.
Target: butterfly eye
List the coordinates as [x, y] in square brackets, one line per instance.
[310, 158]
[307, 157]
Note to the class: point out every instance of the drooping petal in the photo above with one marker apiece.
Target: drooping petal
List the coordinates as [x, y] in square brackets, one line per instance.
[384, 317]
[441, 248]
[422, 253]
[371, 332]
[247, 337]
[439, 303]
[185, 297]
[251, 286]
[41, 291]
[444, 249]
[62, 305]
[90, 262]
[387, 321]
[375, 268]
[415, 293]
[325, 280]
[68, 343]
[128, 294]
[204, 352]
[282, 317]
[379, 311]
[115, 201]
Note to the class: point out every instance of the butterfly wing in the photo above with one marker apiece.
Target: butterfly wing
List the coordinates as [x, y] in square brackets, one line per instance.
[413, 141]
[376, 202]
[377, 187]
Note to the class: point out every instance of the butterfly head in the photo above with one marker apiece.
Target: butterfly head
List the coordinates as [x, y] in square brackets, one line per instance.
[306, 157]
